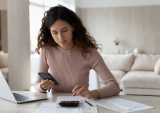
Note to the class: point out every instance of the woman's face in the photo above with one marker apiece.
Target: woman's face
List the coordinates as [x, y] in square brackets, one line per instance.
[62, 33]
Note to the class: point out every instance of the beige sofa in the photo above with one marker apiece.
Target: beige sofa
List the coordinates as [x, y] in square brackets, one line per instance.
[4, 64]
[136, 73]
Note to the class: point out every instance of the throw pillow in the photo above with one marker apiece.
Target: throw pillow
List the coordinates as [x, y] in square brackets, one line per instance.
[118, 62]
[144, 62]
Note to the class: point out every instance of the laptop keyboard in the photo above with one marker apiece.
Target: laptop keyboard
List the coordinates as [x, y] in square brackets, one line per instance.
[19, 97]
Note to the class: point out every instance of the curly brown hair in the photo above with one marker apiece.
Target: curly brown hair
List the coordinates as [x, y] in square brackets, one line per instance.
[81, 37]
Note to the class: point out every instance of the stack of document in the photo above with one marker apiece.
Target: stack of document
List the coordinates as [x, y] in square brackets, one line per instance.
[54, 107]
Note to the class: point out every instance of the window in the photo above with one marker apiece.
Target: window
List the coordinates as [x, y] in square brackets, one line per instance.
[37, 1]
[36, 11]
[36, 14]
[50, 3]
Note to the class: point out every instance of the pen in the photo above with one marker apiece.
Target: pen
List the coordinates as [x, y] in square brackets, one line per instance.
[89, 103]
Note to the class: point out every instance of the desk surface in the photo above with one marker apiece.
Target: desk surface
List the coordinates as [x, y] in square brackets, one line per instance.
[9, 107]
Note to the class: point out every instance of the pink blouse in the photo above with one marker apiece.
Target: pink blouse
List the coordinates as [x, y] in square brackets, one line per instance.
[70, 69]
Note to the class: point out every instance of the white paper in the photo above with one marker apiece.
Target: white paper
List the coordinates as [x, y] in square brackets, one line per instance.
[122, 105]
[134, 106]
[88, 110]
[50, 107]
[83, 107]
[110, 105]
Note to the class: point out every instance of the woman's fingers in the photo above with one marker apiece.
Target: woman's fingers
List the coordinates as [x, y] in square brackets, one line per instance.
[83, 93]
[76, 87]
[50, 85]
[43, 82]
[49, 81]
[46, 84]
[80, 90]
[75, 92]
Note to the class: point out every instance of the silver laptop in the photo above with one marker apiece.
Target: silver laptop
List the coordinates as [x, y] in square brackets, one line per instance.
[18, 96]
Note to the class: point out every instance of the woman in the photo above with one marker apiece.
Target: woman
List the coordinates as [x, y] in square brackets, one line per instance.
[68, 53]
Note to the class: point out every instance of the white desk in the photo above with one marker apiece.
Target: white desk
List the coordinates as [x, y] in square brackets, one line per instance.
[9, 107]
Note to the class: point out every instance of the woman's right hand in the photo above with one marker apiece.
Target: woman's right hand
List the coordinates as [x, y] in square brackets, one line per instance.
[46, 84]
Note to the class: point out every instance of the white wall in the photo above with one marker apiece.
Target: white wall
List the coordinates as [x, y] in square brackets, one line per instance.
[136, 26]
[114, 3]
[3, 4]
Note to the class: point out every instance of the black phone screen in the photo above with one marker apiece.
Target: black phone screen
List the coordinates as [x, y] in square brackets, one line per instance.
[45, 75]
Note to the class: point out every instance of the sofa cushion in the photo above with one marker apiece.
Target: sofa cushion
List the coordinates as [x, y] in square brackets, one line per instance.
[3, 59]
[157, 67]
[118, 74]
[144, 62]
[4, 72]
[118, 62]
[141, 79]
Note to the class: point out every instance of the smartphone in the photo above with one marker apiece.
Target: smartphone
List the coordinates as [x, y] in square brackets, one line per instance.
[45, 75]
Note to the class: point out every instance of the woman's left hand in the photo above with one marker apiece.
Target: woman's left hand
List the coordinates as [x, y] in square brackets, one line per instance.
[82, 90]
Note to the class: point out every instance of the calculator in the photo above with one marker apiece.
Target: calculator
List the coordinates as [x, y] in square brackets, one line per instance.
[69, 103]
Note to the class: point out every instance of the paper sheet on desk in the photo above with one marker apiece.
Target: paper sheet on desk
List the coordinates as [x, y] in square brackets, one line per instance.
[107, 104]
[122, 105]
[134, 106]
[50, 107]
[83, 107]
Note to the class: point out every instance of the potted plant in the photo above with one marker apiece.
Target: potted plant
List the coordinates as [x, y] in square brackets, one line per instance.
[117, 42]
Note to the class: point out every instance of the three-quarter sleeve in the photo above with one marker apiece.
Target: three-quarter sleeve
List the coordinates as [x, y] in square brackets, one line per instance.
[43, 67]
[111, 87]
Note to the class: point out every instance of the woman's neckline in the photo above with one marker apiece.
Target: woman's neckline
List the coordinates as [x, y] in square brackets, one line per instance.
[66, 50]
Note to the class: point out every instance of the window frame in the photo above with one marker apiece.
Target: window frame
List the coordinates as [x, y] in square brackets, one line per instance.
[39, 5]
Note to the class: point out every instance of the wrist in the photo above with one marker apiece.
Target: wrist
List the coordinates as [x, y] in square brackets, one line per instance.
[42, 88]
[95, 94]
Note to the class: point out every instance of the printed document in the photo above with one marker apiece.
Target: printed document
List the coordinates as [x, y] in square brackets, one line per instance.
[53, 107]
[121, 105]
[83, 107]
[50, 107]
